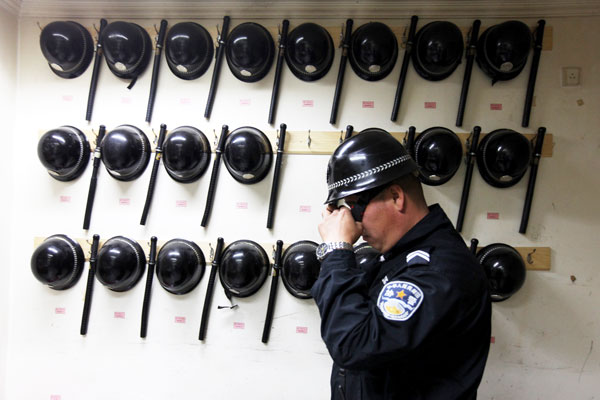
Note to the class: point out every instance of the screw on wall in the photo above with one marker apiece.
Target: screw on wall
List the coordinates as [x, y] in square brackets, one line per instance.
[571, 76]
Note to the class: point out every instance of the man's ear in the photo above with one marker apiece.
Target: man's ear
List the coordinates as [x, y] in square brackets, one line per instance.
[398, 196]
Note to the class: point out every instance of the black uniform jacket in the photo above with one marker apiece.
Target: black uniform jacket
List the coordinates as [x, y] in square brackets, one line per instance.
[413, 324]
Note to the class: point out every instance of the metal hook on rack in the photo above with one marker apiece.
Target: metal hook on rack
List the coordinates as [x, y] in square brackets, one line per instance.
[529, 258]
[212, 251]
[309, 140]
[39, 26]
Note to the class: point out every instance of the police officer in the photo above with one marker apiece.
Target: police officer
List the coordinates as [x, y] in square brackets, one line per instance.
[415, 323]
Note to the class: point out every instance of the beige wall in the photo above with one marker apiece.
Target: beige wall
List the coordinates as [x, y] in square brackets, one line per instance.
[544, 335]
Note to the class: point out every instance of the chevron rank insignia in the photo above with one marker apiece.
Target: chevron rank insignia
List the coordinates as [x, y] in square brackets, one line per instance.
[417, 257]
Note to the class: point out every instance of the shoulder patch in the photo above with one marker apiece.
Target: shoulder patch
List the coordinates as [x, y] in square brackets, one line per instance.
[398, 300]
[417, 257]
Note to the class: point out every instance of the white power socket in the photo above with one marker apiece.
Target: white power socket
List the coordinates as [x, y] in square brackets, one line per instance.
[571, 76]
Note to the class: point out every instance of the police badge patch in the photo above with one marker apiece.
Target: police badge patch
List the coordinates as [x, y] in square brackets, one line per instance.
[398, 300]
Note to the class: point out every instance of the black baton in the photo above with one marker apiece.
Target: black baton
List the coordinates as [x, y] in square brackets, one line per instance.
[221, 39]
[95, 72]
[159, 44]
[537, 154]
[214, 177]
[93, 180]
[276, 172]
[210, 289]
[345, 45]
[537, 52]
[155, 166]
[470, 161]
[470, 55]
[275, 93]
[148, 291]
[273, 292]
[89, 290]
[404, 70]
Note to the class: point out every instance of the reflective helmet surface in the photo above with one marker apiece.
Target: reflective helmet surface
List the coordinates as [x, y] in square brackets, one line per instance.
[309, 51]
[364, 254]
[250, 50]
[186, 154]
[503, 157]
[438, 50]
[244, 268]
[65, 152]
[180, 265]
[58, 262]
[121, 263]
[127, 48]
[373, 51]
[300, 268]
[189, 50]
[365, 161]
[125, 152]
[504, 268]
[68, 47]
[438, 153]
[502, 50]
[248, 155]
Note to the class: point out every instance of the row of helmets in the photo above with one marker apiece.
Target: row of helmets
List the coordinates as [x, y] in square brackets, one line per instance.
[503, 155]
[68, 47]
[437, 50]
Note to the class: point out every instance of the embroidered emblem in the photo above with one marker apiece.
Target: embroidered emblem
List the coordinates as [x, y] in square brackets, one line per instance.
[398, 300]
[419, 256]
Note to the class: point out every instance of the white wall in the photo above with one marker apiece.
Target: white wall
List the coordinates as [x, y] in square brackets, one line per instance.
[8, 75]
[544, 335]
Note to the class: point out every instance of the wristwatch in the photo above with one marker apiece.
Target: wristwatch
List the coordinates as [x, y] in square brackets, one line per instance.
[325, 248]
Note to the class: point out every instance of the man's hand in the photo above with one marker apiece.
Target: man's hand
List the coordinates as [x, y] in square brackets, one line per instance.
[339, 226]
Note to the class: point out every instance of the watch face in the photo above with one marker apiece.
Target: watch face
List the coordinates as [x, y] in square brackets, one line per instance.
[322, 250]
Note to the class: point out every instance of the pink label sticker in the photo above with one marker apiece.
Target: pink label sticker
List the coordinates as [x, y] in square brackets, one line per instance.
[308, 103]
[305, 209]
[244, 102]
[65, 199]
[67, 97]
[368, 104]
[181, 203]
[126, 100]
[60, 310]
[120, 314]
[495, 106]
[124, 202]
[241, 205]
[185, 100]
[180, 320]
[493, 215]
[239, 325]
[493, 339]
[301, 329]
[430, 104]
[55, 397]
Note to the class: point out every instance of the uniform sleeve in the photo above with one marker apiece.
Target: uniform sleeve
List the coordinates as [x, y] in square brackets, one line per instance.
[358, 334]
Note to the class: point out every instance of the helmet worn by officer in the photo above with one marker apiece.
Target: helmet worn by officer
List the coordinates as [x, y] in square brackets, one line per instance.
[503, 157]
[504, 268]
[250, 50]
[438, 50]
[127, 48]
[300, 268]
[125, 152]
[244, 268]
[121, 263]
[438, 153]
[373, 51]
[186, 154]
[248, 155]
[188, 50]
[180, 265]
[58, 262]
[65, 152]
[502, 50]
[309, 51]
[68, 47]
[363, 165]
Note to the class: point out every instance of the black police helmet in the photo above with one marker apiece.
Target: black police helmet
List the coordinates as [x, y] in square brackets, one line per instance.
[504, 268]
[58, 262]
[248, 155]
[189, 50]
[180, 265]
[121, 264]
[244, 268]
[438, 153]
[364, 254]
[309, 51]
[68, 47]
[127, 48]
[503, 157]
[300, 268]
[365, 161]
[249, 51]
[65, 152]
[125, 152]
[438, 50]
[373, 51]
[186, 154]
[502, 50]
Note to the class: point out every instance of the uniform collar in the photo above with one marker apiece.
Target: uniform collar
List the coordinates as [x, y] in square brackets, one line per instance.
[429, 223]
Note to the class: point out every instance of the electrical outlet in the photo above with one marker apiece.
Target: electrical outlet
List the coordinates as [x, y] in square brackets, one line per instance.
[571, 76]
